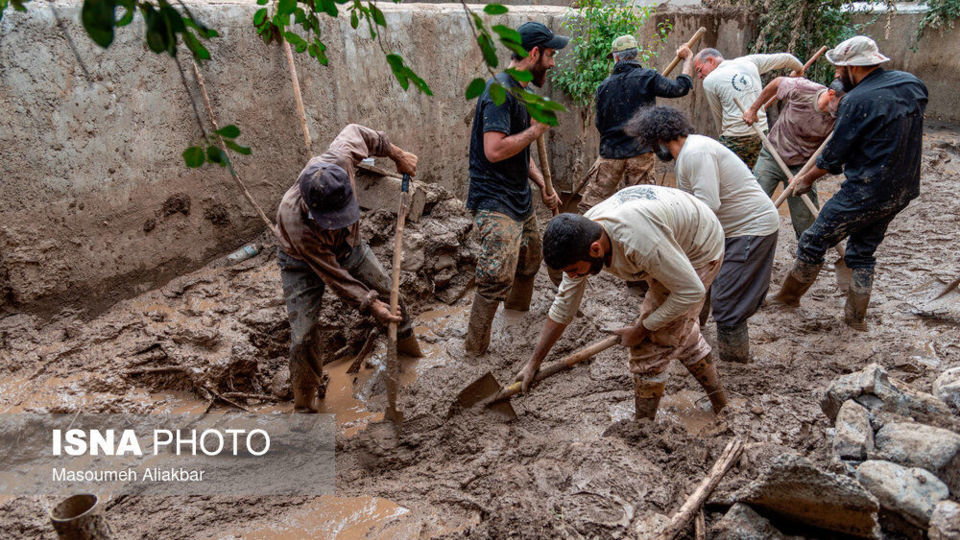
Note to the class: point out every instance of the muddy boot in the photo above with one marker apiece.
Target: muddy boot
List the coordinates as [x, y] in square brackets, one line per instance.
[409, 346]
[733, 343]
[520, 293]
[798, 282]
[647, 394]
[478, 329]
[706, 374]
[303, 381]
[858, 297]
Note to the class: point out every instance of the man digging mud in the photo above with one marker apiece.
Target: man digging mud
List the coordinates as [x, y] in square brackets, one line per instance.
[499, 194]
[318, 232]
[717, 177]
[877, 144]
[658, 234]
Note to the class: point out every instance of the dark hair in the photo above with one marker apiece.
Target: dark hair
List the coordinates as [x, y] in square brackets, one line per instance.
[837, 86]
[707, 53]
[567, 240]
[660, 123]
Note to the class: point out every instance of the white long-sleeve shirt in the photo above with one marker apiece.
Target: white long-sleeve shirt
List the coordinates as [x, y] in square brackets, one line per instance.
[740, 78]
[655, 232]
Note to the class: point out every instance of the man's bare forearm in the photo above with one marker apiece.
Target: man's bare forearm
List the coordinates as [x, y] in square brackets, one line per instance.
[768, 92]
[509, 145]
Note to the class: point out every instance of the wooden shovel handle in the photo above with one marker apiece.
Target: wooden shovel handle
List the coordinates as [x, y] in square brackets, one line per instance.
[587, 352]
[691, 43]
[545, 169]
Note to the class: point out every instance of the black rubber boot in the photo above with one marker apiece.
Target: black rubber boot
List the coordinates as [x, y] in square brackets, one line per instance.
[858, 297]
[798, 282]
[705, 372]
[305, 381]
[478, 329]
[520, 293]
[646, 396]
[733, 343]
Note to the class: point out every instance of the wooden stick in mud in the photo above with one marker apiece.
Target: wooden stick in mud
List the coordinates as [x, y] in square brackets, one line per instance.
[364, 352]
[803, 70]
[393, 363]
[806, 167]
[678, 523]
[233, 173]
[691, 44]
[545, 169]
[700, 525]
[301, 113]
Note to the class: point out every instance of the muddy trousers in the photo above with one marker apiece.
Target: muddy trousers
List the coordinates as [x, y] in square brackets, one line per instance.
[770, 175]
[746, 148]
[607, 176]
[510, 255]
[680, 340]
[303, 292]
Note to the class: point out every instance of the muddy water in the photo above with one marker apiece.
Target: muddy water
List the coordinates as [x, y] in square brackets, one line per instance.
[343, 518]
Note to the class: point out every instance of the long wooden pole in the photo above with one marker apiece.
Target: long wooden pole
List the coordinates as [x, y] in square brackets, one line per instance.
[545, 169]
[691, 43]
[393, 363]
[806, 167]
[301, 113]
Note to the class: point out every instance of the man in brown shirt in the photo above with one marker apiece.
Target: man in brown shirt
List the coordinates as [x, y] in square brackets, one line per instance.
[318, 232]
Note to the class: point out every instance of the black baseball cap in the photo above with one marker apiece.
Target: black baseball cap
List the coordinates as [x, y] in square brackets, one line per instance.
[326, 189]
[534, 34]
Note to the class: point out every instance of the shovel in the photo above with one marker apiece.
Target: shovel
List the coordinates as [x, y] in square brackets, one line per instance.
[393, 364]
[545, 168]
[488, 393]
[844, 275]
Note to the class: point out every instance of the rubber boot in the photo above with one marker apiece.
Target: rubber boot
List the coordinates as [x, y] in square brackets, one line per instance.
[733, 343]
[478, 329]
[798, 282]
[409, 346]
[646, 396]
[858, 297]
[520, 293]
[304, 380]
[705, 372]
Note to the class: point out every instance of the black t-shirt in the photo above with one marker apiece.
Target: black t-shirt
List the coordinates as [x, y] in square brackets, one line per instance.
[502, 186]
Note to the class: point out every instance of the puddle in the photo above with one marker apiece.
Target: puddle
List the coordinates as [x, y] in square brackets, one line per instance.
[342, 518]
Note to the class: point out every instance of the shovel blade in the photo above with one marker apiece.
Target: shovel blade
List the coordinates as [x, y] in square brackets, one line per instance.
[844, 275]
[483, 389]
[570, 202]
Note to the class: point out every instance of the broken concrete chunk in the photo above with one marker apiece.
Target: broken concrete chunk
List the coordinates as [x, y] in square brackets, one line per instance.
[872, 388]
[911, 493]
[794, 489]
[918, 445]
[380, 189]
[853, 436]
[743, 523]
[945, 521]
[947, 388]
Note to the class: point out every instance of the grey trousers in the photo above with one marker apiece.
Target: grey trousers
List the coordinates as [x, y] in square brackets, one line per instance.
[769, 176]
[744, 278]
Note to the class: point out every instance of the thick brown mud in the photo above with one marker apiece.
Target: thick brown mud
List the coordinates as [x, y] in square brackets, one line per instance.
[573, 464]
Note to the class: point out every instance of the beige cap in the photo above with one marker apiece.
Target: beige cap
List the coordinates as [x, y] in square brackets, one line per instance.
[856, 51]
[622, 43]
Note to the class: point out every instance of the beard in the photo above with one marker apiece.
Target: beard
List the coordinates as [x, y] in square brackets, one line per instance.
[539, 73]
[596, 265]
[846, 81]
[662, 153]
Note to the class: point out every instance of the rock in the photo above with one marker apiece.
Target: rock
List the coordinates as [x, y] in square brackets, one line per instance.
[872, 388]
[853, 436]
[205, 338]
[918, 445]
[443, 262]
[742, 523]
[413, 252]
[945, 521]
[442, 278]
[947, 388]
[911, 493]
[280, 385]
[794, 489]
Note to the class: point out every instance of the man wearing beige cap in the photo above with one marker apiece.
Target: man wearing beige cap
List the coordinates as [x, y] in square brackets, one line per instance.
[624, 159]
[877, 144]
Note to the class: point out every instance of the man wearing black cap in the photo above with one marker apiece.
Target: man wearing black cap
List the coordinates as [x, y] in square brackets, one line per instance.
[318, 232]
[499, 195]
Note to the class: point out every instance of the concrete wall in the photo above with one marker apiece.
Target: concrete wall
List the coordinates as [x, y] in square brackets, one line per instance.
[91, 168]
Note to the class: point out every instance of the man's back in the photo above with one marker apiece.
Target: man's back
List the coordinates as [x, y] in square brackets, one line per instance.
[801, 127]
[740, 78]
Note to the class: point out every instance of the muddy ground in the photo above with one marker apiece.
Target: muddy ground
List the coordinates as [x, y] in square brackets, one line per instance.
[573, 463]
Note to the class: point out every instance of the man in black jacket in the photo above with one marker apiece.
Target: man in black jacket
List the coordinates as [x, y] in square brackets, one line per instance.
[630, 88]
[877, 144]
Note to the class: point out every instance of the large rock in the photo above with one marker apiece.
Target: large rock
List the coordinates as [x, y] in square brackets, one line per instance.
[853, 435]
[947, 388]
[909, 492]
[795, 490]
[945, 521]
[872, 388]
[918, 445]
[743, 523]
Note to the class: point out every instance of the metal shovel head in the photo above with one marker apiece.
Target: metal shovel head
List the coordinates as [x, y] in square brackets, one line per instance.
[569, 202]
[483, 389]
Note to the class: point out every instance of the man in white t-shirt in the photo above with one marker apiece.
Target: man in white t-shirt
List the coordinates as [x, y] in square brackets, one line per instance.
[658, 234]
[716, 176]
[739, 78]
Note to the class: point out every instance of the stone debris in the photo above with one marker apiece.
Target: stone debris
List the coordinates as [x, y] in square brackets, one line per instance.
[947, 388]
[918, 445]
[853, 435]
[911, 493]
[945, 521]
[743, 523]
[796, 490]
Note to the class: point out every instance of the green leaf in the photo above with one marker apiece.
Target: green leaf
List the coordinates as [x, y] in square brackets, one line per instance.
[328, 7]
[520, 75]
[542, 116]
[286, 7]
[495, 9]
[199, 51]
[476, 87]
[508, 34]
[354, 20]
[193, 156]
[521, 52]
[498, 94]
[377, 15]
[229, 131]
[488, 50]
[157, 30]
[245, 150]
[129, 10]
[396, 65]
[262, 2]
[259, 16]
[98, 19]
[216, 155]
[299, 16]
[295, 40]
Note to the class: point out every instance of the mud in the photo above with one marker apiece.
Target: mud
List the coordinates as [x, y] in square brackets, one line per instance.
[573, 464]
